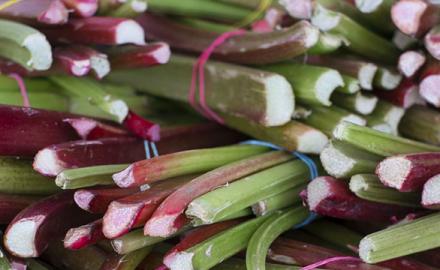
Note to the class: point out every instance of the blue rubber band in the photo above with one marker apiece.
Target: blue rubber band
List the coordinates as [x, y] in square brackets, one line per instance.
[147, 146]
[304, 158]
[154, 148]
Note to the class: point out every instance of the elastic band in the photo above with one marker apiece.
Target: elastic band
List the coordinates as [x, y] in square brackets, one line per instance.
[262, 6]
[22, 87]
[147, 145]
[313, 169]
[8, 4]
[199, 72]
[329, 260]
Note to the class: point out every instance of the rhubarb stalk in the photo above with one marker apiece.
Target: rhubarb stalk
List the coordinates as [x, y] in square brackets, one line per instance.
[279, 201]
[410, 62]
[84, 236]
[127, 261]
[405, 95]
[42, 11]
[140, 56]
[11, 205]
[96, 200]
[430, 197]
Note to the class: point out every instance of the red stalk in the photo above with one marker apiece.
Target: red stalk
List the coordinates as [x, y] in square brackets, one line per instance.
[169, 217]
[11, 205]
[408, 172]
[330, 197]
[250, 48]
[82, 8]
[410, 62]
[72, 61]
[27, 130]
[96, 200]
[415, 17]
[43, 11]
[97, 30]
[140, 56]
[405, 95]
[99, 63]
[141, 127]
[54, 159]
[89, 129]
[133, 211]
[84, 236]
[34, 228]
[290, 251]
[432, 42]
[430, 194]
[429, 81]
[197, 236]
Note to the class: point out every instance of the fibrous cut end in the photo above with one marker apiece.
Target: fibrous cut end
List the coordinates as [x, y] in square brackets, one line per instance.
[335, 162]
[47, 163]
[407, 15]
[317, 191]
[431, 193]
[326, 84]
[393, 171]
[20, 239]
[279, 102]
[130, 32]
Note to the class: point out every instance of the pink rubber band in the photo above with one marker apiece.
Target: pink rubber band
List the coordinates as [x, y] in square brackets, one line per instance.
[199, 69]
[22, 87]
[329, 260]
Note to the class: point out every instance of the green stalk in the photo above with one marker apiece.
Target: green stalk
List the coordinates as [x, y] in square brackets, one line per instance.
[127, 261]
[24, 45]
[361, 40]
[421, 123]
[18, 177]
[311, 84]
[326, 119]
[279, 201]
[335, 234]
[387, 78]
[222, 202]
[47, 101]
[386, 113]
[378, 142]
[369, 187]
[262, 97]
[205, 25]
[327, 43]
[93, 92]
[351, 85]
[88, 176]
[291, 136]
[214, 250]
[358, 103]
[129, 9]
[301, 113]
[237, 264]
[378, 11]
[246, 212]
[403, 239]
[342, 160]
[136, 240]
[200, 9]
[273, 227]
[32, 85]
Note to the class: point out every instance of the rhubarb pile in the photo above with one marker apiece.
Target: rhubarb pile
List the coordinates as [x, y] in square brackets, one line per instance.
[221, 134]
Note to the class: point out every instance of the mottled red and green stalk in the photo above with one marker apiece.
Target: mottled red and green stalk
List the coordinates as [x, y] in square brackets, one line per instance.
[408, 172]
[181, 163]
[168, 217]
[328, 196]
[133, 211]
[84, 236]
[405, 95]
[96, 200]
[35, 227]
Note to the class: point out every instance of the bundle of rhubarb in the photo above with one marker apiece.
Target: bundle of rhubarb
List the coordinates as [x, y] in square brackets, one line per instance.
[117, 154]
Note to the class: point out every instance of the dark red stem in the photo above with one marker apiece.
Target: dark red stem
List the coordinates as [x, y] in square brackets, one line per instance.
[96, 200]
[84, 236]
[11, 205]
[140, 56]
[43, 11]
[405, 95]
[141, 127]
[90, 129]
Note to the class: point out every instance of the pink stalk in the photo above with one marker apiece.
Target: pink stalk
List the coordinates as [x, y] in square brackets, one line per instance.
[27, 130]
[54, 159]
[141, 127]
[72, 62]
[99, 63]
[327, 196]
[289, 251]
[90, 129]
[133, 211]
[410, 62]
[429, 81]
[82, 8]
[408, 172]
[84, 236]
[432, 42]
[96, 200]
[43, 11]
[249, 48]
[415, 17]
[97, 30]
[34, 228]
[140, 56]
[197, 236]
[11, 205]
[169, 217]
[430, 194]
[405, 95]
